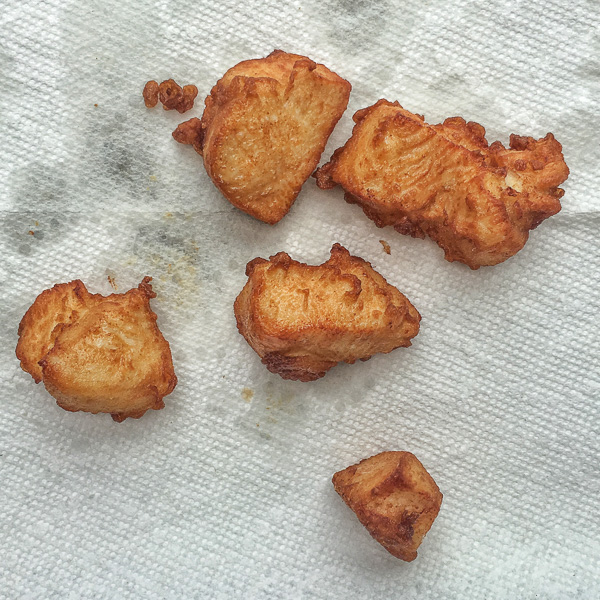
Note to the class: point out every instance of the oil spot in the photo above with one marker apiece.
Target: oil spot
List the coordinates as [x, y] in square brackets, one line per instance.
[355, 22]
[7, 63]
[38, 185]
[170, 254]
[115, 160]
[25, 235]
[247, 394]
[279, 399]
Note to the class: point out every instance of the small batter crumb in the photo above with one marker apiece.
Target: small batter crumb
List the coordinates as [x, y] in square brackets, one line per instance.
[386, 246]
[171, 95]
[150, 94]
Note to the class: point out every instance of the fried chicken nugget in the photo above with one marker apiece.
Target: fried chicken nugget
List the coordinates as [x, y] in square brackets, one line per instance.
[478, 202]
[394, 497]
[264, 128]
[302, 320]
[97, 353]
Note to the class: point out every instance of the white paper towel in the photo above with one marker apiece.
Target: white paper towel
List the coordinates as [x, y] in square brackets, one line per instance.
[226, 492]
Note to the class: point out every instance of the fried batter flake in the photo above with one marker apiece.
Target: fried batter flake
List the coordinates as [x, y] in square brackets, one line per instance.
[190, 133]
[171, 95]
[394, 497]
[150, 94]
[97, 353]
[302, 320]
[265, 126]
[478, 202]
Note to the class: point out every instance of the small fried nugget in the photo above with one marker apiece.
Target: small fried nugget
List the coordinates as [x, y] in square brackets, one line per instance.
[478, 202]
[97, 353]
[302, 320]
[394, 497]
[264, 128]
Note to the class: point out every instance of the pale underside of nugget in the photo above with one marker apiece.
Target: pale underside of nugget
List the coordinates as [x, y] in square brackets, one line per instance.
[478, 202]
[302, 320]
[394, 497]
[97, 353]
[264, 128]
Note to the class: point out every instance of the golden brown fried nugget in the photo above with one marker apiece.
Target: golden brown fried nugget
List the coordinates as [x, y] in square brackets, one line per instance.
[302, 320]
[97, 353]
[394, 497]
[264, 128]
[478, 202]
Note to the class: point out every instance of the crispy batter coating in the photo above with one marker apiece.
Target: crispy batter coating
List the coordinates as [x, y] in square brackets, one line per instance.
[302, 320]
[97, 353]
[264, 127]
[171, 95]
[478, 202]
[394, 497]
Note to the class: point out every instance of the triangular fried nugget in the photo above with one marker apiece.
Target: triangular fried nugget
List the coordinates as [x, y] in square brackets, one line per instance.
[264, 128]
[105, 355]
[394, 497]
[478, 202]
[302, 320]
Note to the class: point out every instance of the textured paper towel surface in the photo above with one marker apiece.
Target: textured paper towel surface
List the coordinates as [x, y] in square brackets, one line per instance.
[226, 492]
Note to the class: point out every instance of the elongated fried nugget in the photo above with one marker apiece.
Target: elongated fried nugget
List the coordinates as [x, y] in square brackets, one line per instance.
[97, 353]
[302, 320]
[478, 202]
[264, 128]
[394, 497]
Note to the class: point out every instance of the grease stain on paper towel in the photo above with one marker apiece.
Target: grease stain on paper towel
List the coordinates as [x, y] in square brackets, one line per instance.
[356, 20]
[171, 255]
[28, 233]
[247, 394]
[115, 162]
[268, 405]
[39, 185]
